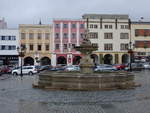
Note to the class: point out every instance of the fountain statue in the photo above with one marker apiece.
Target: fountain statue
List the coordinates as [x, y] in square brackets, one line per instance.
[86, 79]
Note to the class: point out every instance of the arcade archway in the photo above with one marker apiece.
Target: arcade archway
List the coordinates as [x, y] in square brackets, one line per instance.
[125, 58]
[61, 60]
[45, 61]
[28, 61]
[108, 59]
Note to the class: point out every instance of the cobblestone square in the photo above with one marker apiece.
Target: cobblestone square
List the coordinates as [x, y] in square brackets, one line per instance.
[18, 96]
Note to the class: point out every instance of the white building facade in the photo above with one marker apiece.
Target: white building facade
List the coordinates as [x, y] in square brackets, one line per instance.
[112, 35]
[9, 41]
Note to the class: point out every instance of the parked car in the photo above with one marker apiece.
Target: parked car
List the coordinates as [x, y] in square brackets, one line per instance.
[146, 65]
[72, 68]
[59, 68]
[5, 69]
[135, 67]
[44, 67]
[120, 66]
[25, 70]
[1, 72]
[105, 68]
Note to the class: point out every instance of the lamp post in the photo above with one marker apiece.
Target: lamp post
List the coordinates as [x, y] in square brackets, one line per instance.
[145, 46]
[130, 51]
[37, 58]
[21, 51]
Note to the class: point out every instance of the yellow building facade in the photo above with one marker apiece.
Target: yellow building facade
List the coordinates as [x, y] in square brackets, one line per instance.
[37, 38]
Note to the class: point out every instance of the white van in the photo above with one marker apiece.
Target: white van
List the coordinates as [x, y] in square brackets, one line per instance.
[25, 70]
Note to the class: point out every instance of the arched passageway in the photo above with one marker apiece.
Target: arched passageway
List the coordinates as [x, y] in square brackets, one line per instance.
[108, 59]
[125, 58]
[45, 61]
[61, 60]
[28, 61]
[76, 60]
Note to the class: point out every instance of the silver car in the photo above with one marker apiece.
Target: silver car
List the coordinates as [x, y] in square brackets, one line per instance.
[105, 68]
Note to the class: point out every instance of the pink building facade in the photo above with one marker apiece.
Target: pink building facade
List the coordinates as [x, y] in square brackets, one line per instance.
[66, 35]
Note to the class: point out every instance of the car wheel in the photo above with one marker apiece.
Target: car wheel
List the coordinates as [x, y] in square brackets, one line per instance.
[30, 73]
[15, 74]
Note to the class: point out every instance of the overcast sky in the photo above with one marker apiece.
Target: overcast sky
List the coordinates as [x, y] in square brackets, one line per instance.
[31, 11]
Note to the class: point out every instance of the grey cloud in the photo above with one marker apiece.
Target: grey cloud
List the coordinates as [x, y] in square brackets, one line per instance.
[31, 11]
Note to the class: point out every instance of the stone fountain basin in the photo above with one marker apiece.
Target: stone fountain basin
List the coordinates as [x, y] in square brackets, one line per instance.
[78, 81]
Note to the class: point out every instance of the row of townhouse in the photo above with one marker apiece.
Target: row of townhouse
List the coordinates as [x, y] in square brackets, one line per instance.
[53, 44]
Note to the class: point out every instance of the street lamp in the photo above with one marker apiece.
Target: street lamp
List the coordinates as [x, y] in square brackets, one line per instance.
[37, 58]
[130, 51]
[145, 46]
[21, 51]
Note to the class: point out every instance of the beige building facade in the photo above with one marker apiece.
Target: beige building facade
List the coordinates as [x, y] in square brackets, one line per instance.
[112, 35]
[37, 38]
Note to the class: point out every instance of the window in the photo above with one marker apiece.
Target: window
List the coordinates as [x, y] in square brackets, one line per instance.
[108, 46]
[31, 47]
[124, 36]
[108, 35]
[124, 27]
[106, 26]
[47, 36]
[23, 46]
[65, 35]
[73, 26]
[110, 26]
[81, 26]
[93, 35]
[57, 35]
[39, 36]
[73, 46]
[93, 26]
[9, 47]
[56, 46]
[57, 26]
[31, 35]
[39, 47]
[9, 38]
[47, 47]
[23, 35]
[65, 25]
[124, 46]
[13, 37]
[3, 47]
[142, 32]
[3, 37]
[65, 46]
[73, 35]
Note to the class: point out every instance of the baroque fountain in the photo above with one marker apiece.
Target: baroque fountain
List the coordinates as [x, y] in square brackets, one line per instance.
[86, 79]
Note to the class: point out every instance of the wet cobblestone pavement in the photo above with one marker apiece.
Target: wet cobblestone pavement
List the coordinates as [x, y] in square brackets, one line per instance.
[18, 96]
